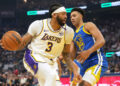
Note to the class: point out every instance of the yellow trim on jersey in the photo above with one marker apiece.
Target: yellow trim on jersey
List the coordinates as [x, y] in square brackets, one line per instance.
[51, 30]
[86, 31]
[33, 56]
[73, 82]
[79, 28]
[64, 34]
[95, 69]
[64, 37]
[83, 29]
[42, 28]
[27, 65]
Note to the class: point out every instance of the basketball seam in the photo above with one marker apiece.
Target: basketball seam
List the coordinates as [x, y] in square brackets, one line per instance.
[5, 42]
[16, 38]
[11, 39]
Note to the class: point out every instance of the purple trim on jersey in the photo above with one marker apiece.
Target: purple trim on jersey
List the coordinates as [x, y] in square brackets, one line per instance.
[30, 61]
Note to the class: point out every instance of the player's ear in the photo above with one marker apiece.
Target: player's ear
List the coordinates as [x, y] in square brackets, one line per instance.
[54, 15]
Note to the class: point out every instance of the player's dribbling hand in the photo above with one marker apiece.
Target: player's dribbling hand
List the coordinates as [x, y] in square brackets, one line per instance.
[77, 78]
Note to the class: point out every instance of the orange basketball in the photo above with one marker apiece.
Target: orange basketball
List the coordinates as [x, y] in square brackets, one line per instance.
[11, 40]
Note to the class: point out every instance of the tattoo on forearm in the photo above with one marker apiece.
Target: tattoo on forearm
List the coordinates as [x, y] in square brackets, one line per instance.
[68, 60]
[25, 40]
[23, 44]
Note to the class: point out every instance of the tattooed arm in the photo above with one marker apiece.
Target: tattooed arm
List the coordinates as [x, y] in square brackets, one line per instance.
[67, 58]
[70, 63]
[25, 40]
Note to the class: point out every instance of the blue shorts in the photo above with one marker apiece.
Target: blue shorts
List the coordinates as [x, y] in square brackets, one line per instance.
[90, 65]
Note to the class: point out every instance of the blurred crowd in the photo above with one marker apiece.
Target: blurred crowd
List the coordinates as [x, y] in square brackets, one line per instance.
[110, 29]
[114, 65]
[17, 79]
[36, 4]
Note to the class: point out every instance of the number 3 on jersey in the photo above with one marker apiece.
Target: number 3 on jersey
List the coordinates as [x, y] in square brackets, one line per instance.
[50, 45]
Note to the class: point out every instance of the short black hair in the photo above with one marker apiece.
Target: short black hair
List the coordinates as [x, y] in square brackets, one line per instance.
[53, 7]
[78, 10]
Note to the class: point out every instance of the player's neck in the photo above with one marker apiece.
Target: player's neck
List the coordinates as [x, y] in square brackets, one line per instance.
[79, 25]
[54, 24]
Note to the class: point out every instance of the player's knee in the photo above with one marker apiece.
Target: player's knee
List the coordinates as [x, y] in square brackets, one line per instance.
[84, 83]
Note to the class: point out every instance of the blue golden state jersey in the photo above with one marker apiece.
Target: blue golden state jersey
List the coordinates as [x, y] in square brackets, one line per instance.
[83, 41]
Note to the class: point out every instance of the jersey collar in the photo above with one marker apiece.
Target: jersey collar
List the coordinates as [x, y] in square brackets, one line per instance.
[79, 28]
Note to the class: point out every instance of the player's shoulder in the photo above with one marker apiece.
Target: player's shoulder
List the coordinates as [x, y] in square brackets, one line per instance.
[68, 29]
[36, 22]
[35, 27]
[46, 20]
[89, 24]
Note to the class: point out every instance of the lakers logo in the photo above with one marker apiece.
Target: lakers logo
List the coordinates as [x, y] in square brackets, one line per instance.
[78, 40]
[35, 66]
[51, 38]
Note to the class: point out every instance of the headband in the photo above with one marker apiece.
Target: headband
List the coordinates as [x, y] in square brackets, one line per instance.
[61, 9]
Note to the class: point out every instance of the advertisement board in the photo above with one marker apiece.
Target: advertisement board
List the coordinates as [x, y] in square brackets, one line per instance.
[104, 81]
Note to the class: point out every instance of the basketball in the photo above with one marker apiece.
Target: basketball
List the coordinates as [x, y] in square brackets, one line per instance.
[11, 40]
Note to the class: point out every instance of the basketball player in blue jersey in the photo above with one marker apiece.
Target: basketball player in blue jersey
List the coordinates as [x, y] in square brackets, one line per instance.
[87, 44]
[46, 40]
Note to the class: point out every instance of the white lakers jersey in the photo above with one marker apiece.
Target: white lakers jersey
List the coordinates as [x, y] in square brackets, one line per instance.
[47, 42]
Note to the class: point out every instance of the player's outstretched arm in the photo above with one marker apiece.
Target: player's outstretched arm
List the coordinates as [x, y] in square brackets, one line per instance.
[25, 40]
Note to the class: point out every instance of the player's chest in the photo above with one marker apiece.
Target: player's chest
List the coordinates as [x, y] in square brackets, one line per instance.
[80, 35]
[55, 37]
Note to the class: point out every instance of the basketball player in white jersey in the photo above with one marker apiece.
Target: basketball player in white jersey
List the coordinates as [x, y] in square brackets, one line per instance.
[47, 39]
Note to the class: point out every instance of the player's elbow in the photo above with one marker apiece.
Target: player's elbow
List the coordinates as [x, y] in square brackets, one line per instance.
[103, 42]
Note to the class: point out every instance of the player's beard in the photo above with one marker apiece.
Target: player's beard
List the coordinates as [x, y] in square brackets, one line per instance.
[60, 21]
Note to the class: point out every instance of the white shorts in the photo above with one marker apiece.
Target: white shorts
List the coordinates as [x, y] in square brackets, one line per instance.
[45, 72]
[92, 75]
